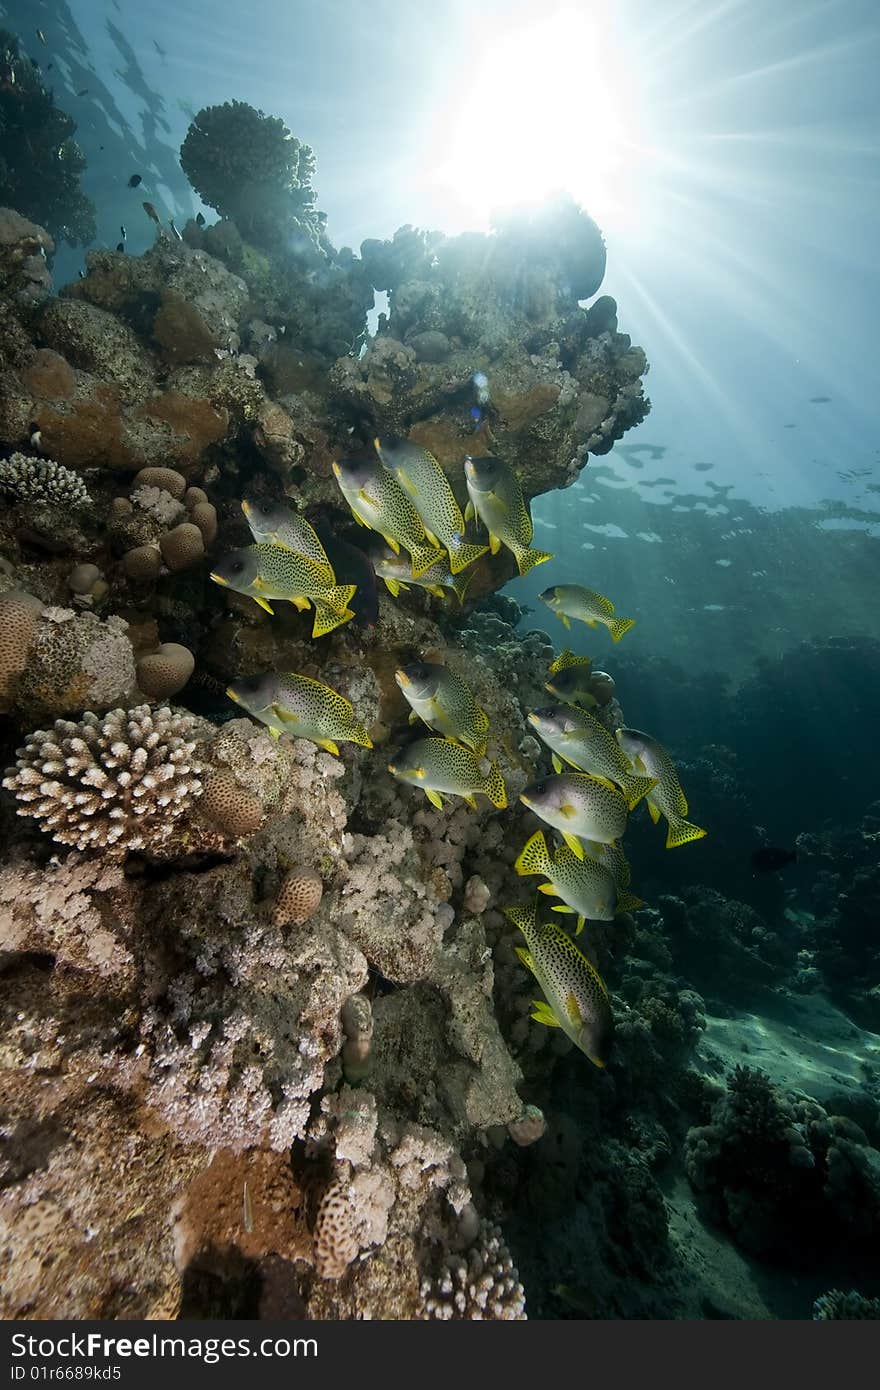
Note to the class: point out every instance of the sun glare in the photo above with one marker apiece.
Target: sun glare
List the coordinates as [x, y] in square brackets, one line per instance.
[543, 108]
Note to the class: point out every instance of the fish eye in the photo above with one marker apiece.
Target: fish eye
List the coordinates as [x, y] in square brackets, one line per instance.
[237, 566]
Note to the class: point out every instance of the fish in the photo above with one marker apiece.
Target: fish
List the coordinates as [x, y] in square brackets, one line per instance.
[420, 474]
[570, 678]
[271, 572]
[438, 765]
[152, 214]
[135, 180]
[396, 572]
[580, 740]
[769, 859]
[174, 232]
[352, 566]
[120, 246]
[275, 523]
[124, 233]
[200, 219]
[379, 502]
[288, 703]
[667, 798]
[496, 497]
[444, 702]
[586, 886]
[41, 36]
[614, 859]
[573, 601]
[579, 807]
[83, 92]
[576, 998]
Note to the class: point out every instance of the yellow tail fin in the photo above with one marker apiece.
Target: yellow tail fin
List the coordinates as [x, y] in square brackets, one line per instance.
[619, 626]
[681, 832]
[423, 556]
[461, 584]
[326, 619]
[339, 596]
[464, 554]
[534, 857]
[495, 788]
[527, 559]
[634, 788]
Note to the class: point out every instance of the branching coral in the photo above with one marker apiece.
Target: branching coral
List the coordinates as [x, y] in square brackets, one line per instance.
[250, 168]
[40, 162]
[41, 480]
[482, 1284]
[770, 1165]
[118, 781]
[837, 1305]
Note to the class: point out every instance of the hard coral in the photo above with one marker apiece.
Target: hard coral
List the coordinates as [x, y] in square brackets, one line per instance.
[42, 480]
[163, 673]
[249, 167]
[481, 1285]
[233, 809]
[119, 782]
[75, 661]
[299, 897]
[19, 613]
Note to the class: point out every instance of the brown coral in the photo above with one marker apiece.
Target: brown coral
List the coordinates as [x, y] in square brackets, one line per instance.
[335, 1234]
[231, 807]
[299, 897]
[204, 515]
[163, 673]
[19, 612]
[143, 562]
[182, 547]
[166, 478]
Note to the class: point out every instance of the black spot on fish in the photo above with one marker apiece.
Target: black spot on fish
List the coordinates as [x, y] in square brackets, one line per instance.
[200, 221]
[819, 400]
[135, 180]
[769, 859]
[120, 246]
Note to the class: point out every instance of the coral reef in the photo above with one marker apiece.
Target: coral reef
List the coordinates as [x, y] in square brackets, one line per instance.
[782, 1175]
[252, 170]
[836, 1305]
[40, 162]
[42, 480]
[117, 782]
[277, 983]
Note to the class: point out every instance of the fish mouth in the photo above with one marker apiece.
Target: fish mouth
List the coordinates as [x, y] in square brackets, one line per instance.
[232, 695]
[392, 767]
[533, 718]
[337, 470]
[525, 800]
[402, 679]
[246, 507]
[218, 578]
